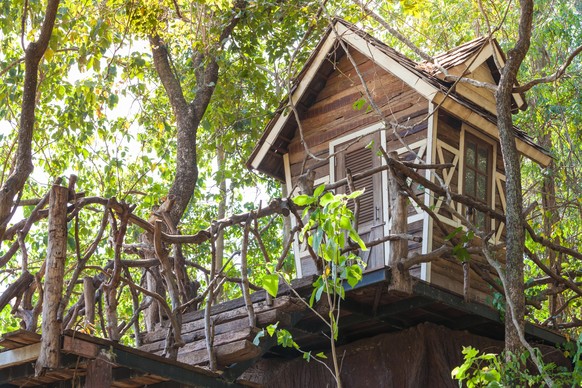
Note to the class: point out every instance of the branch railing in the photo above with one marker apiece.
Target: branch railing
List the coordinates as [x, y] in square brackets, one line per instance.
[156, 264]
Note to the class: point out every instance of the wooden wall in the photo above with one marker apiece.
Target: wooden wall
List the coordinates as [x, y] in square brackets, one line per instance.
[450, 149]
[333, 117]
[422, 356]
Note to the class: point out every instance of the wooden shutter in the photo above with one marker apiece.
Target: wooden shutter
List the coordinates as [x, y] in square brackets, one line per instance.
[360, 157]
[361, 160]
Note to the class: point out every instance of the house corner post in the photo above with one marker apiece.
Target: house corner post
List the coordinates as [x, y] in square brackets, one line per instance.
[49, 356]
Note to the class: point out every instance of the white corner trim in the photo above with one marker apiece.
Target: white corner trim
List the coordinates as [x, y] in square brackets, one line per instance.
[296, 250]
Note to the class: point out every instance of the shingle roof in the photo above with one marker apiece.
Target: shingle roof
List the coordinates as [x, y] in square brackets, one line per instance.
[426, 71]
[456, 56]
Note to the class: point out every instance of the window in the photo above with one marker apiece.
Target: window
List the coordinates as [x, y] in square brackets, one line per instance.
[477, 176]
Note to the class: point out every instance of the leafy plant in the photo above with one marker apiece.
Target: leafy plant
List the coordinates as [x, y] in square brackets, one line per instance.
[478, 370]
[330, 233]
[511, 370]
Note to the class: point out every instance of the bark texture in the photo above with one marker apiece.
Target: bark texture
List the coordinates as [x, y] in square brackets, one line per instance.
[53, 285]
[189, 114]
[23, 167]
[514, 217]
[399, 225]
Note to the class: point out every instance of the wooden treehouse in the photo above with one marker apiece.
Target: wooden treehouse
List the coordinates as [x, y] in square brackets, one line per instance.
[356, 95]
[426, 151]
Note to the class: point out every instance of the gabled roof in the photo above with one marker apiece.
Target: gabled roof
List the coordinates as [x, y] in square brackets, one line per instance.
[463, 60]
[422, 77]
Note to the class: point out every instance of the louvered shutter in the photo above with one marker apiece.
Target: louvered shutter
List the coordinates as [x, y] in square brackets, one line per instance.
[359, 158]
[357, 161]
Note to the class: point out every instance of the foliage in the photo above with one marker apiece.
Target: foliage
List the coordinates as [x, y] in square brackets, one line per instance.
[478, 370]
[103, 114]
[330, 221]
[460, 249]
[285, 340]
[509, 370]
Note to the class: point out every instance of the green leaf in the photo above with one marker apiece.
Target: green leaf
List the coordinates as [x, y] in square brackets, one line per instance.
[454, 233]
[356, 194]
[359, 104]
[357, 239]
[318, 293]
[272, 328]
[285, 339]
[345, 222]
[317, 192]
[326, 199]
[257, 339]
[271, 284]
[321, 355]
[354, 274]
[317, 238]
[303, 200]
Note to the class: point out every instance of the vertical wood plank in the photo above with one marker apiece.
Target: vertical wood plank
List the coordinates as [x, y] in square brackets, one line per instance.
[99, 373]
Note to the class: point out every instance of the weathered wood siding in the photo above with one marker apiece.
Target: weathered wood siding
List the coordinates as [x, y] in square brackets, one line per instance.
[480, 96]
[333, 117]
[232, 335]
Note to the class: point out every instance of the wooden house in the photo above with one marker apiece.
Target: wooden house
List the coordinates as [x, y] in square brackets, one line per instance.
[356, 91]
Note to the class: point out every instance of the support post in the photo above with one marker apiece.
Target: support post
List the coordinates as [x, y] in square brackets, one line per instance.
[49, 356]
[89, 295]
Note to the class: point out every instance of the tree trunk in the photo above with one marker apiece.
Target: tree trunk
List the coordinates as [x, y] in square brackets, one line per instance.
[89, 295]
[399, 225]
[550, 218]
[188, 116]
[49, 356]
[16, 289]
[32, 57]
[514, 225]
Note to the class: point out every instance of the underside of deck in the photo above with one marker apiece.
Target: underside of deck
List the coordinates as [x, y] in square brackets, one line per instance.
[369, 309]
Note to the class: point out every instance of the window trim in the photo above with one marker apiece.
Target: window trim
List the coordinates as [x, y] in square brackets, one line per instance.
[347, 137]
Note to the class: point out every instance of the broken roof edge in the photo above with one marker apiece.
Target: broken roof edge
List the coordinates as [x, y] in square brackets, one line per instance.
[425, 84]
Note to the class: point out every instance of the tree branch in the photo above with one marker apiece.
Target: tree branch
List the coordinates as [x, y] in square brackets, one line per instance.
[550, 78]
[33, 54]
